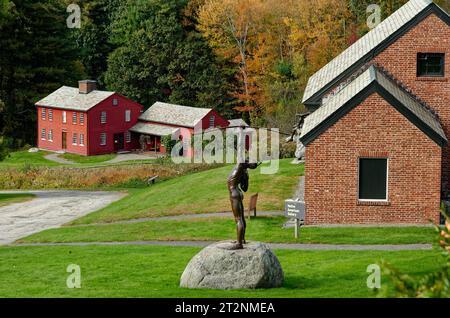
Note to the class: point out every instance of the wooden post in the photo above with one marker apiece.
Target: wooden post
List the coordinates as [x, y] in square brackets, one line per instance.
[296, 228]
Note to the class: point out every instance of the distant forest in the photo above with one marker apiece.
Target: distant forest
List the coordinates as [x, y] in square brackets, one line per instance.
[245, 58]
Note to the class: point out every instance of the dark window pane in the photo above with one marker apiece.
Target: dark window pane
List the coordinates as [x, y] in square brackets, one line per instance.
[430, 64]
[372, 179]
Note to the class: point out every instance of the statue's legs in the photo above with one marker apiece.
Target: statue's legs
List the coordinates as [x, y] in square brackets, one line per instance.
[238, 212]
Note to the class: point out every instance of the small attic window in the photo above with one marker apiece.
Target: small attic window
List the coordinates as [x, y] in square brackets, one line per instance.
[430, 64]
[115, 102]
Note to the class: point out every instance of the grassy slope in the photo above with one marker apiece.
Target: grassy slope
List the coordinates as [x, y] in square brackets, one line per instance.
[6, 199]
[88, 160]
[199, 193]
[145, 271]
[261, 229]
[21, 158]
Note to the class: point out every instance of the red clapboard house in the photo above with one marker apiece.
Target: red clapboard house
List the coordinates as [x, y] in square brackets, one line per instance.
[163, 119]
[88, 122]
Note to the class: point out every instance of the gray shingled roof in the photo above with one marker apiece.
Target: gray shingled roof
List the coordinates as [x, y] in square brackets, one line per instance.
[363, 46]
[153, 129]
[371, 75]
[70, 98]
[174, 114]
[239, 122]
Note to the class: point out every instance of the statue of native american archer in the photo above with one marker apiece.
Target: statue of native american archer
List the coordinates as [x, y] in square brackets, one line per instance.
[237, 184]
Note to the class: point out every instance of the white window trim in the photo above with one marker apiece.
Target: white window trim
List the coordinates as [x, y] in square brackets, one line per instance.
[127, 134]
[50, 111]
[43, 113]
[101, 118]
[101, 142]
[76, 139]
[127, 115]
[43, 133]
[74, 116]
[64, 117]
[81, 143]
[387, 181]
[82, 116]
[50, 134]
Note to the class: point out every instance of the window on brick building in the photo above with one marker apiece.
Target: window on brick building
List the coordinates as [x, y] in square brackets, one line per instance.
[74, 118]
[373, 177]
[50, 114]
[81, 119]
[43, 134]
[103, 139]
[64, 117]
[43, 114]
[103, 118]
[81, 139]
[50, 134]
[74, 139]
[430, 64]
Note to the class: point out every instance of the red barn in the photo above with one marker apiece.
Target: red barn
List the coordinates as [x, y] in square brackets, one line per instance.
[86, 121]
[163, 119]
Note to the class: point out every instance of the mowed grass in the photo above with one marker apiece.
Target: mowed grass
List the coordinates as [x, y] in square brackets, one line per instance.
[88, 159]
[151, 271]
[22, 158]
[200, 193]
[10, 198]
[265, 229]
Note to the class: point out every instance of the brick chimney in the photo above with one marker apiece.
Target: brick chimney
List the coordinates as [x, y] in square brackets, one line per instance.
[87, 86]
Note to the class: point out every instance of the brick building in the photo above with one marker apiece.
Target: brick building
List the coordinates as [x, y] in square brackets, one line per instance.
[376, 142]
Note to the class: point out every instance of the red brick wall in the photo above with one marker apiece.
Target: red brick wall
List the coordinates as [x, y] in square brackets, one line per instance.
[374, 128]
[432, 35]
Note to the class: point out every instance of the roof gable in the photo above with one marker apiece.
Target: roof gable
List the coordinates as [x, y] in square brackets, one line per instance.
[370, 45]
[70, 98]
[370, 81]
[175, 114]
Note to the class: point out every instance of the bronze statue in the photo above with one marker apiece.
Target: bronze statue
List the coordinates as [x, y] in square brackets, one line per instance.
[238, 182]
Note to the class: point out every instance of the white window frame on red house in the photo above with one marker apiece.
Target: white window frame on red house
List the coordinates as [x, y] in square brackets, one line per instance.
[81, 139]
[81, 118]
[127, 137]
[115, 102]
[212, 121]
[50, 135]
[64, 117]
[43, 134]
[43, 114]
[387, 181]
[127, 115]
[74, 118]
[103, 117]
[74, 139]
[50, 114]
[103, 139]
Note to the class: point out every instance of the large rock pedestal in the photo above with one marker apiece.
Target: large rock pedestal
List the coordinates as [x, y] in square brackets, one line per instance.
[218, 266]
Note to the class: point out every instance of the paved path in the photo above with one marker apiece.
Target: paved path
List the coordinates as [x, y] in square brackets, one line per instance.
[55, 158]
[50, 209]
[300, 247]
[130, 157]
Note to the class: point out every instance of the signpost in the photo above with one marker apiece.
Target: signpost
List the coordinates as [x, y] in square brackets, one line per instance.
[295, 209]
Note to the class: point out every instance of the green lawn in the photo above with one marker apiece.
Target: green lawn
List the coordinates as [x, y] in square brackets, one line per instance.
[266, 229]
[21, 158]
[88, 159]
[150, 271]
[199, 193]
[9, 198]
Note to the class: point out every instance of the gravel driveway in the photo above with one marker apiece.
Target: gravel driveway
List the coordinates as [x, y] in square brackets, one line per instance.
[48, 210]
